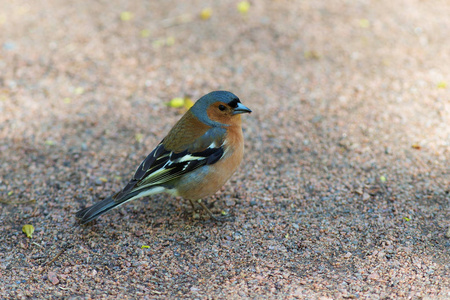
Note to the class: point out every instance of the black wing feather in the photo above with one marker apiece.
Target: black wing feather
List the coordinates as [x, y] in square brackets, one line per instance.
[177, 167]
[157, 154]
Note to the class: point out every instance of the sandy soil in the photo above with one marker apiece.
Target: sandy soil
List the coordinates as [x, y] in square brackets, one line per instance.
[344, 191]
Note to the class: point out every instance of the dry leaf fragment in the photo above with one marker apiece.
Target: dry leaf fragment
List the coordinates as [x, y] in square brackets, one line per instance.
[206, 13]
[79, 90]
[358, 190]
[243, 7]
[373, 190]
[176, 102]
[188, 102]
[170, 41]
[364, 23]
[138, 137]
[311, 54]
[126, 16]
[28, 230]
[442, 85]
[145, 33]
[50, 142]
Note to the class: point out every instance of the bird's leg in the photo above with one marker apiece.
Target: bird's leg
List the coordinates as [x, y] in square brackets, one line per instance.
[195, 215]
[211, 215]
[192, 204]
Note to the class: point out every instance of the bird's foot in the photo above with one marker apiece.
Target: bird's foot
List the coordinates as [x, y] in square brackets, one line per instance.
[196, 215]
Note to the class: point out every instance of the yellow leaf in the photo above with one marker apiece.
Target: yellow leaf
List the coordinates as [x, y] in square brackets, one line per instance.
[206, 13]
[79, 90]
[364, 23]
[145, 33]
[170, 41]
[10, 193]
[126, 16]
[382, 178]
[176, 102]
[243, 7]
[28, 230]
[442, 84]
[312, 54]
[406, 219]
[103, 179]
[145, 247]
[188, 103]
[138, 137]
[179, 102]
[50, 142]
[223, 213]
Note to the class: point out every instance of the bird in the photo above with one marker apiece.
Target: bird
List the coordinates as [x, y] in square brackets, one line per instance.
[196, 158]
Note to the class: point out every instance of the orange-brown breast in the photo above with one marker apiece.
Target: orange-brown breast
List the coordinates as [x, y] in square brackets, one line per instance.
[207, 180]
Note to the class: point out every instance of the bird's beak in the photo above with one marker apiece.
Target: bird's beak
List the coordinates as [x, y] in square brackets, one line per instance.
[241, 109]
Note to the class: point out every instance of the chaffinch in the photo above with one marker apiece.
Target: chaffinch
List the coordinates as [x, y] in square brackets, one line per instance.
[200, 153]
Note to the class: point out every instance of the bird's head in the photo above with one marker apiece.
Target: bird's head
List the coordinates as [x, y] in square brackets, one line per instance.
[220, 107]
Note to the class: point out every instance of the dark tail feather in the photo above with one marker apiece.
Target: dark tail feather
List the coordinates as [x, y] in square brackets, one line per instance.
[93, 212]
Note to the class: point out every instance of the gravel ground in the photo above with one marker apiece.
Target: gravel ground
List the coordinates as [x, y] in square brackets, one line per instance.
[344, 190]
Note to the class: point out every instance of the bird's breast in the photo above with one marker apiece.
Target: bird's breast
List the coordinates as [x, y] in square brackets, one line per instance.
[207, 180]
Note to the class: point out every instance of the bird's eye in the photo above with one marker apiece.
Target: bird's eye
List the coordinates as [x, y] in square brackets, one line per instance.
[222, 107]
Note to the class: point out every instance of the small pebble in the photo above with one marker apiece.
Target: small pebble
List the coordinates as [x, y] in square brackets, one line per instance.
[366, 196]
[374, 276]
[230, 202]
[98, 182]
[9, 46]
[53, 278]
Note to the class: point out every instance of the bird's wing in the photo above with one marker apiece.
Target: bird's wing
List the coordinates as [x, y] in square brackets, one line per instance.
[163, 165]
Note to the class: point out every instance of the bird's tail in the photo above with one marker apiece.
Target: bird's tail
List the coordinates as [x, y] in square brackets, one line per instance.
[93, 212]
